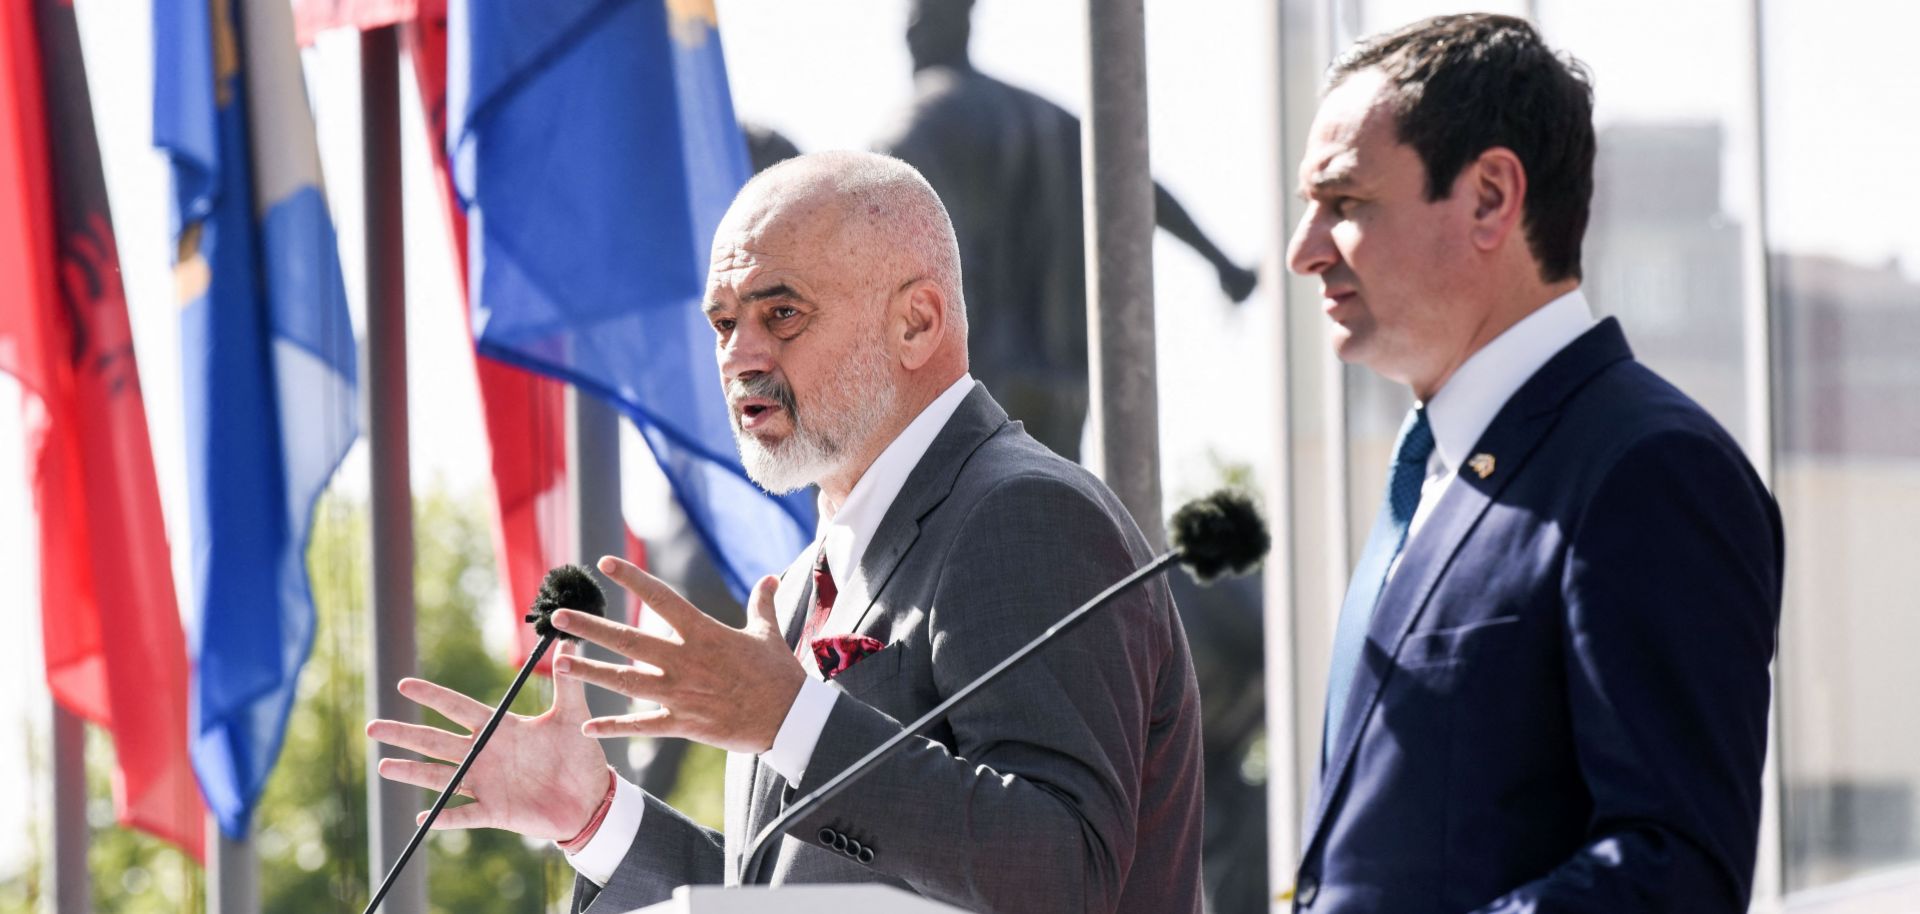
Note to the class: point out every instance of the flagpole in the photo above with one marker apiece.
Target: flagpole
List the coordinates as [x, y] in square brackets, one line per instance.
[593, 488]
[390, 806]
[1119, 216]
[233, 873]
[71, 892]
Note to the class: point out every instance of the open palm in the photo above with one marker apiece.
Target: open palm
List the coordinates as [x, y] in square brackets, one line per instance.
[538, 776]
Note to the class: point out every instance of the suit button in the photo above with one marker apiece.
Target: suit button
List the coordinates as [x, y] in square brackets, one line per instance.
[854, 848]
[826, 836]
[840, 842]
[865, 856]
[1306, 891]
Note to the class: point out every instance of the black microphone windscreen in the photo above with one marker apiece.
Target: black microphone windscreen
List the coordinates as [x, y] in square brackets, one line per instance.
[565, 587]
[1221, 533]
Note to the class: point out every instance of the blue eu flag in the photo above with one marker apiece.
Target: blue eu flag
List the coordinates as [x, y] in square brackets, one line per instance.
[594, 145]
[267, 353]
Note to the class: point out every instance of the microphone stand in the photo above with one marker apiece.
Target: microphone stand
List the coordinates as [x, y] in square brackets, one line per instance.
[844, 779]
[446, 793]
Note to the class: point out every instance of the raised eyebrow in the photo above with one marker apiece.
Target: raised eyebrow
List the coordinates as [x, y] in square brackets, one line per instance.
[777, 290]
[1325, 184]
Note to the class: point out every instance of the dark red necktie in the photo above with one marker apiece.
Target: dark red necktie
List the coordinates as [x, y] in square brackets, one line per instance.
[823, 594]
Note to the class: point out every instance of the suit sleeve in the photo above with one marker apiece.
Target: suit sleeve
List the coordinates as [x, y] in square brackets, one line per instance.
[668, 851]
[1672, 593]
[1033, 806]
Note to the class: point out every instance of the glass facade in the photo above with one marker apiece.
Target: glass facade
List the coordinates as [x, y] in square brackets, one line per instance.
[1844, 288]
[1753, 230]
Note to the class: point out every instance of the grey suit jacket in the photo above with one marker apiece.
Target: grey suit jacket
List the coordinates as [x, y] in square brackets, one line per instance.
[1072, 784]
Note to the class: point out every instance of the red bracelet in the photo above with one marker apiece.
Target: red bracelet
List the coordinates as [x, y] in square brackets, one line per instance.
[574, 844]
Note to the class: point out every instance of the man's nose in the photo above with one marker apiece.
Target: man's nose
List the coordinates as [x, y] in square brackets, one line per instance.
[744, 352]
[1311, 249]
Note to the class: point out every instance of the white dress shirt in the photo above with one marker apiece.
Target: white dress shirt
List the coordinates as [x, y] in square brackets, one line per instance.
[1460, 411]
[845, 536]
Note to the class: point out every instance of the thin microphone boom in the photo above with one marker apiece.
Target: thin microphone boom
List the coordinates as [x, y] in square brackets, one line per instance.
[1220, 533]
[568, 586]
[446, 793]
[841, 781]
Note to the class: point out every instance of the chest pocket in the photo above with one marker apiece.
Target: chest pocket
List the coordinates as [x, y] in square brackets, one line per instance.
[1460, 643]
[868, 674]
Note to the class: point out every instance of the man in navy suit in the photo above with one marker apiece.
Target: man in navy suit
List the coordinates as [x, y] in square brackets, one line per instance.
[1550, 686]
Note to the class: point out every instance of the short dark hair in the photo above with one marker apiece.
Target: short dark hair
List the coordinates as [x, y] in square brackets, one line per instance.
[1460, 85]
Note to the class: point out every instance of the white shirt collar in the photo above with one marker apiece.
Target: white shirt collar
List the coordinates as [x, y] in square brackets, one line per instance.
[1461, 411]
[847, 534]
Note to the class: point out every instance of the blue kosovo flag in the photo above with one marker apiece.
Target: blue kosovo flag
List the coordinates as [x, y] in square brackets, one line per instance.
[268, 358]
[594, 145]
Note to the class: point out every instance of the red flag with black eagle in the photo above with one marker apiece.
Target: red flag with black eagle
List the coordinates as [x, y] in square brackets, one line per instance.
[115, 654]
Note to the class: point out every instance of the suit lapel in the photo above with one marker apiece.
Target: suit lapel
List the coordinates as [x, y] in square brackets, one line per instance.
[1513, 435]
[796, 595]
[977, 419]
[1400, 606]
[761, 809]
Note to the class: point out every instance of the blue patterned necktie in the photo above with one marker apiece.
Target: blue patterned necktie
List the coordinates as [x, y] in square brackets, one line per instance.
[1389, 534]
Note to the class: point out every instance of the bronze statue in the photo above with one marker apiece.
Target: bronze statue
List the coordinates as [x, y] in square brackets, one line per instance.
[1007, 164]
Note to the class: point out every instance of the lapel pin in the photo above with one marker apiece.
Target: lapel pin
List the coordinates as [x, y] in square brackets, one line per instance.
[1481, 465]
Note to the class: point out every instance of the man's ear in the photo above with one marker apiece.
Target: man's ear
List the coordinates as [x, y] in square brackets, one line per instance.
[1498, 185]
[919, 322]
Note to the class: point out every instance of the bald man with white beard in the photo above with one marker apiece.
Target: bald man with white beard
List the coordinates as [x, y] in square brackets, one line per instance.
[948, 538]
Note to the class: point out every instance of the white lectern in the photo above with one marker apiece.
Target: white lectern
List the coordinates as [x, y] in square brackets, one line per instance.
[795, 899]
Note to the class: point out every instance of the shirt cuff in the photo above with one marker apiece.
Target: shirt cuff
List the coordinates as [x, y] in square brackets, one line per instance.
[800, 732]
[608, 846]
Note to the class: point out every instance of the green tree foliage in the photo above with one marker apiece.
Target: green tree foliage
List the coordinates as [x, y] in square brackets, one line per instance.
[700, 791]
[133, 873]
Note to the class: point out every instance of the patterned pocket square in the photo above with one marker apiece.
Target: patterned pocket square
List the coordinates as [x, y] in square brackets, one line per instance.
[836, 653]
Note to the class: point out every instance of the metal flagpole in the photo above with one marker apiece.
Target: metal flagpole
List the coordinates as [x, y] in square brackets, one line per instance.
[233, 879]
[71, 892]
[593, 489]
[1119, 216]
[1306, 491]
[390, 806]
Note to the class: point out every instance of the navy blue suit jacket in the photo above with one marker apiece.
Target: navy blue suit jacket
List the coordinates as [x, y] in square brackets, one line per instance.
[1562, 703]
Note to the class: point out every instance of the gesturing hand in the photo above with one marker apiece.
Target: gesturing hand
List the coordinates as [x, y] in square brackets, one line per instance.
[723, 686]
[539, 776]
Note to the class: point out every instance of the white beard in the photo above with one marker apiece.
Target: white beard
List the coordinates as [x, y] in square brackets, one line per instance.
[852, 404]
